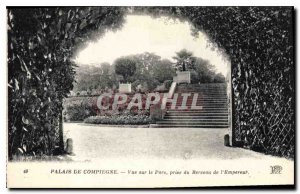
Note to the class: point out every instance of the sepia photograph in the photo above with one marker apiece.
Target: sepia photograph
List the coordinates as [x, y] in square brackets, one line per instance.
[150, 96]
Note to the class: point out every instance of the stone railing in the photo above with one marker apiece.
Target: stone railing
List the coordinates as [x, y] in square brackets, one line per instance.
[156, 111]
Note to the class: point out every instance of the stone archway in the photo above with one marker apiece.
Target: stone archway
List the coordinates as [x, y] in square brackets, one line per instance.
[259, 41]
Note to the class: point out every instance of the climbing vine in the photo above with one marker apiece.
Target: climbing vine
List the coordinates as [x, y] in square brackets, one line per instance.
[259, 43]
[41, 43]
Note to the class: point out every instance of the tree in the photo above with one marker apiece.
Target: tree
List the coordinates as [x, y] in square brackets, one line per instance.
[219, 78]
[90, 77]
[205, 70]
[152, 70]
[125, 66]
[107, 78]
[163, 70]
[184, 60]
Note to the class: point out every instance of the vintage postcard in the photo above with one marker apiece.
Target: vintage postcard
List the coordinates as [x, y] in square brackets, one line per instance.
[150, 97]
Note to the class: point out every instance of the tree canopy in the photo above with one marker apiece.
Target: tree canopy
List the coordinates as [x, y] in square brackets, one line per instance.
[201, 70]
[125, 66]
[184, 60]
[150, 71]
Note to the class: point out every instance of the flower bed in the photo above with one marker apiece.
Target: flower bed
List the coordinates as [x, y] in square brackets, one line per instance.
[119, 120]
[80, 108]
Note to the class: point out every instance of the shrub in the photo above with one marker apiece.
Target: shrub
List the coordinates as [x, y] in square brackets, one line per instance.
[78, 112]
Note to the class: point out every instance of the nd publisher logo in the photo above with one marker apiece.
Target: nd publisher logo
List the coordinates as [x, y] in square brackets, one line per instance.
[276, 169]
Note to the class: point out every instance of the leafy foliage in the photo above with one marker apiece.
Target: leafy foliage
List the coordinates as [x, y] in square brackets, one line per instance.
[95, 77]
[184, 60]
[41, 43]
[79, 112]
[150, 72]
[219, 78]
[259, 43]
[126, 67]
[204, 72]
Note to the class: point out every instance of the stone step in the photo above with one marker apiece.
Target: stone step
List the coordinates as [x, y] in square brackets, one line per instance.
[193, 123]
[201, 86]
[186, 126]
[202, 89]
[192, 120]
[190, 114]
[201, 101]
[202, 94]
[214, 112]
[200, 110]
[177, 113]
[189, 109]
[194, 112]
[196, 90]
[213, 91]
[208, 105]
[193, 91]
[196, 117]
[200, 104]
[203, 98]
[217, 110]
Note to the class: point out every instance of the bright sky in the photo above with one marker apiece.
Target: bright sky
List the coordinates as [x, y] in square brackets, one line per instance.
[161, 36]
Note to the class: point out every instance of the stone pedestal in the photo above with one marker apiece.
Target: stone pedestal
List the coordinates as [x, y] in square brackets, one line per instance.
[156, 113]
[182, 77]
[124, 88]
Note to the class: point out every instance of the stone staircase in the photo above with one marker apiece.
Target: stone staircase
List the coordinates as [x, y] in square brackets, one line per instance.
[213, 112]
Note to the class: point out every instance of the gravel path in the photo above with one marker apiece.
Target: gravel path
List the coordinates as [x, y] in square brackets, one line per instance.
[93, 142]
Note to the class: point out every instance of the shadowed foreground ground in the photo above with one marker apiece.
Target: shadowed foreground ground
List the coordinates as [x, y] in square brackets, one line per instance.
[93, 142]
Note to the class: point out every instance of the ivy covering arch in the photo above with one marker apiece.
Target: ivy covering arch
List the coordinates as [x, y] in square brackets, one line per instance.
[258, 40]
